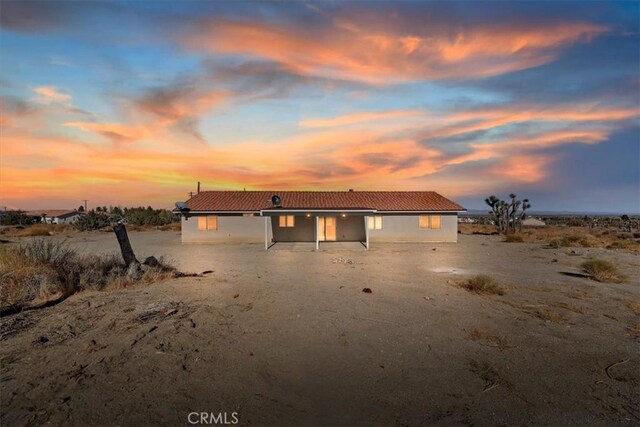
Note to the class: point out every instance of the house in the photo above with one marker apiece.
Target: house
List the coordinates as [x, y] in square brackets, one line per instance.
[55, 216]
[319, 216]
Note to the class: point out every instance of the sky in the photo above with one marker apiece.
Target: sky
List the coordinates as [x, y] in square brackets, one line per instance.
[133, 103]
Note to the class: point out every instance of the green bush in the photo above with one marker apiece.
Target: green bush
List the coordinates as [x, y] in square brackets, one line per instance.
[16, 218]
[92, 221]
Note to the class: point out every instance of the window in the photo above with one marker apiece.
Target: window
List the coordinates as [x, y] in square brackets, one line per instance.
[375, 222]
[247, 214]
[430, 221]
[286, 221]
[208, 222]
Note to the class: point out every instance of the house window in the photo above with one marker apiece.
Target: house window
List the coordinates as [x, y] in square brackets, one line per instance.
[375, 222]
[208, 222]
[430, 222]
[286, 221]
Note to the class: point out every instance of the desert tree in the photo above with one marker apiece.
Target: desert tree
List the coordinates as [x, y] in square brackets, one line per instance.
[507, 215]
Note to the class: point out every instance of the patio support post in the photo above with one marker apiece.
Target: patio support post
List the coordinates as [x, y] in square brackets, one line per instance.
[316, 234]
[366, 231]
[266, 233]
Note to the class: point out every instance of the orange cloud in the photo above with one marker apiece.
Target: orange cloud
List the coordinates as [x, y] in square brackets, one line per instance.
[349, 119]
[350, 53]
[48, 94]
[338, 152]
[114, 131]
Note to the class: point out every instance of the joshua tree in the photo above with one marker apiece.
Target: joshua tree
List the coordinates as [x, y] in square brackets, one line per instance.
[508, 216]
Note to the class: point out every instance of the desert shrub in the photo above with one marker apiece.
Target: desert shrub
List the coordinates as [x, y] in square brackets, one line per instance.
[149, 216]
[513, 238]
[576, 222]
[623, 244]
[92, 221]
[602, 271]
[565, 241]
[560, 242]
[45, 270]
[482, 284]
[16, 218]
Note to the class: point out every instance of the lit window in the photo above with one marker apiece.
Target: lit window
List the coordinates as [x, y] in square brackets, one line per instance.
[208, 222]
[212, 223]
[202, 223]
[430, 221]
[375, 222]
[286, 221]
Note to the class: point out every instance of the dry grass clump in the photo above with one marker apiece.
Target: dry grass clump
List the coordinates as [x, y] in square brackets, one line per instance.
[174, 226]
[493, 340]
[602, 271]
[635, 330]
[570, 307]
[36, 230]
[547, 315]
[623, 244]
[634, 306]
[581, 295]
[44, 271]
[567, 236]
[513, 238]
[482, 285]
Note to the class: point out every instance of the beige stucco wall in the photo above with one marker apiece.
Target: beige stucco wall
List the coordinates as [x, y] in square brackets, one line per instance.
[405, 228]
[236, 229]
[395, 228]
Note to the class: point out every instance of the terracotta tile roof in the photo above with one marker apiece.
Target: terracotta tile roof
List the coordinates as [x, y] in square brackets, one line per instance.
[378, 200]
[52, 213]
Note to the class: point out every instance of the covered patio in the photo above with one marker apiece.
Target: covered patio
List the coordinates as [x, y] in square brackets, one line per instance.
[318, 227]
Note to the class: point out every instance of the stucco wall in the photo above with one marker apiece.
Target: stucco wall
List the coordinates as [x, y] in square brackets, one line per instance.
[350, 229]
[405, 228]
[237, 229]
[395, 228]
[303, 230]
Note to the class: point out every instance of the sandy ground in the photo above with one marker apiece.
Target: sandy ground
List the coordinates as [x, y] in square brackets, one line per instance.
[287, 337]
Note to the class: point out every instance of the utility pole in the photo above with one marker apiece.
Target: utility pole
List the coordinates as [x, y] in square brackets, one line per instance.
[85, 204]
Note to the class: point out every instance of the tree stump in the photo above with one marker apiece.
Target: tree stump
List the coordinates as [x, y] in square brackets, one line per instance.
[125, 246]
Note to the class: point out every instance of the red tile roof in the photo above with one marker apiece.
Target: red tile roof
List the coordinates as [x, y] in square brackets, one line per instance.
[375, 200]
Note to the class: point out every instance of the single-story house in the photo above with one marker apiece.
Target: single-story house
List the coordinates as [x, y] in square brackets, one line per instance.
[55, 216]
[319, 216]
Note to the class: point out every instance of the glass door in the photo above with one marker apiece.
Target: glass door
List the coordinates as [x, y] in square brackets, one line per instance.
[327, 228]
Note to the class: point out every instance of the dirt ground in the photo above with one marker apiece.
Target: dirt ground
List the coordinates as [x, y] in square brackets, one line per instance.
[288, 337]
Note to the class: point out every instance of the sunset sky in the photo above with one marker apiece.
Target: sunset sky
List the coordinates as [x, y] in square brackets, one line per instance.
[133, 103]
